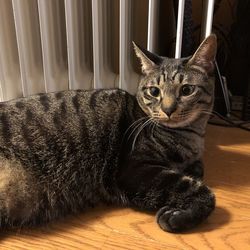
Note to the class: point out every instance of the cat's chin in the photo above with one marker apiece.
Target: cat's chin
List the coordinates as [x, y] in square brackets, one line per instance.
[174, 124]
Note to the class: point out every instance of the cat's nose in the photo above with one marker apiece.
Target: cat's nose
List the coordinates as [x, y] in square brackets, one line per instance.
[169, 110]
[169, 105]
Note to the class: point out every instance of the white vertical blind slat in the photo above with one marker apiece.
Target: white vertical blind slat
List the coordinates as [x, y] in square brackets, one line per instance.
[180, 19]
[97, 50]
[128, 77]
[54, 47]
[104, 77]
[207, 19]
[29, 46]
[10, 79]
[79, 39]
[153, 13]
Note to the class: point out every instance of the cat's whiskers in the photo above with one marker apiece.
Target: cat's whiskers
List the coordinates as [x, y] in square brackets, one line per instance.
[155, 121]
[139, 131]
[156, 115]
[209, 112]
[154, 124]
[135, 124]
[151, 126]
[206, 113]
[212, 112]
[135, 128]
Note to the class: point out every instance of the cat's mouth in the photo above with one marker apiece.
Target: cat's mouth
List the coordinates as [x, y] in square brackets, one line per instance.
[175, 120]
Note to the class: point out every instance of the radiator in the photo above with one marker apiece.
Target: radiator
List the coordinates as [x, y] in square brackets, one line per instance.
[53, 45]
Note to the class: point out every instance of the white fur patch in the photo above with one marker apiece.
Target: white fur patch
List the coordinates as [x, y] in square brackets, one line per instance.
[187, 178]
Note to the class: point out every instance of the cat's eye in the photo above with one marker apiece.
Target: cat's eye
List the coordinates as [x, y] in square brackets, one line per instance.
[154, 91]
[187, 90]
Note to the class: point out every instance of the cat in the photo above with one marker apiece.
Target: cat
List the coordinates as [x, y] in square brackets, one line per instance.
[64, 151]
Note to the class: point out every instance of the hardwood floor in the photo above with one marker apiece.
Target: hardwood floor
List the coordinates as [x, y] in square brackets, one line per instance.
[227, 158]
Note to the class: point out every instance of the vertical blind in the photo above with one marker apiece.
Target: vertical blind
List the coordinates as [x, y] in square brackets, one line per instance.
[56, 45]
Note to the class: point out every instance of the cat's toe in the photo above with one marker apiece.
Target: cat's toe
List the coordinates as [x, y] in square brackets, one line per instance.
[174, 220]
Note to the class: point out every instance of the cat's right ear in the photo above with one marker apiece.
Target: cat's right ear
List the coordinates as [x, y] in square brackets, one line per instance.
[149, 60]
[204, 56]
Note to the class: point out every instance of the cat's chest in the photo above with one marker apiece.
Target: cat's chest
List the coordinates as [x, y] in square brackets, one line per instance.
[170, 148]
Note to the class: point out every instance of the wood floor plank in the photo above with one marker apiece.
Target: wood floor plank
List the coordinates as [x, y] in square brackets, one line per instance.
[227, 172]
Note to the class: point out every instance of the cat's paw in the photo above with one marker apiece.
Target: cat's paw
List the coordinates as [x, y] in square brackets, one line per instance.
[175, 220]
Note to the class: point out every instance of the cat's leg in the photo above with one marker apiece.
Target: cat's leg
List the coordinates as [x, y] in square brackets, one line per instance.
[19, 194]
[182, 201]
[195, 170]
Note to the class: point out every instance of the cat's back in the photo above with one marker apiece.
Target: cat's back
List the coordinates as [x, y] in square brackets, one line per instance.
[63, 104]
[75, 99]
[52, 121]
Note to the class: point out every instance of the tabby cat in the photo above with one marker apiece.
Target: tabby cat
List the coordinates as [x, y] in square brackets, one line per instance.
[62, 152]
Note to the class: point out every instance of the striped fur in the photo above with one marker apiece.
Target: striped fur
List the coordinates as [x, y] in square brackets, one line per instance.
[62, 152]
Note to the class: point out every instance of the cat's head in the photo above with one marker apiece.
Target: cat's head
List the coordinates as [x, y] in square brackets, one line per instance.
[175, 92]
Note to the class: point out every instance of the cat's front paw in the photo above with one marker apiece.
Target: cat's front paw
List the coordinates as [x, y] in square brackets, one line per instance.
[175, 220]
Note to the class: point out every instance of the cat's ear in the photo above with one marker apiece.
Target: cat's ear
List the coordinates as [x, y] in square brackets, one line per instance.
[204, 56]
[149, 60]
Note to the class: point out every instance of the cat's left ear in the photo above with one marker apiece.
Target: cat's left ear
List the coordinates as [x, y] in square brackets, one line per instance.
[149, 60]
[204, 56]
